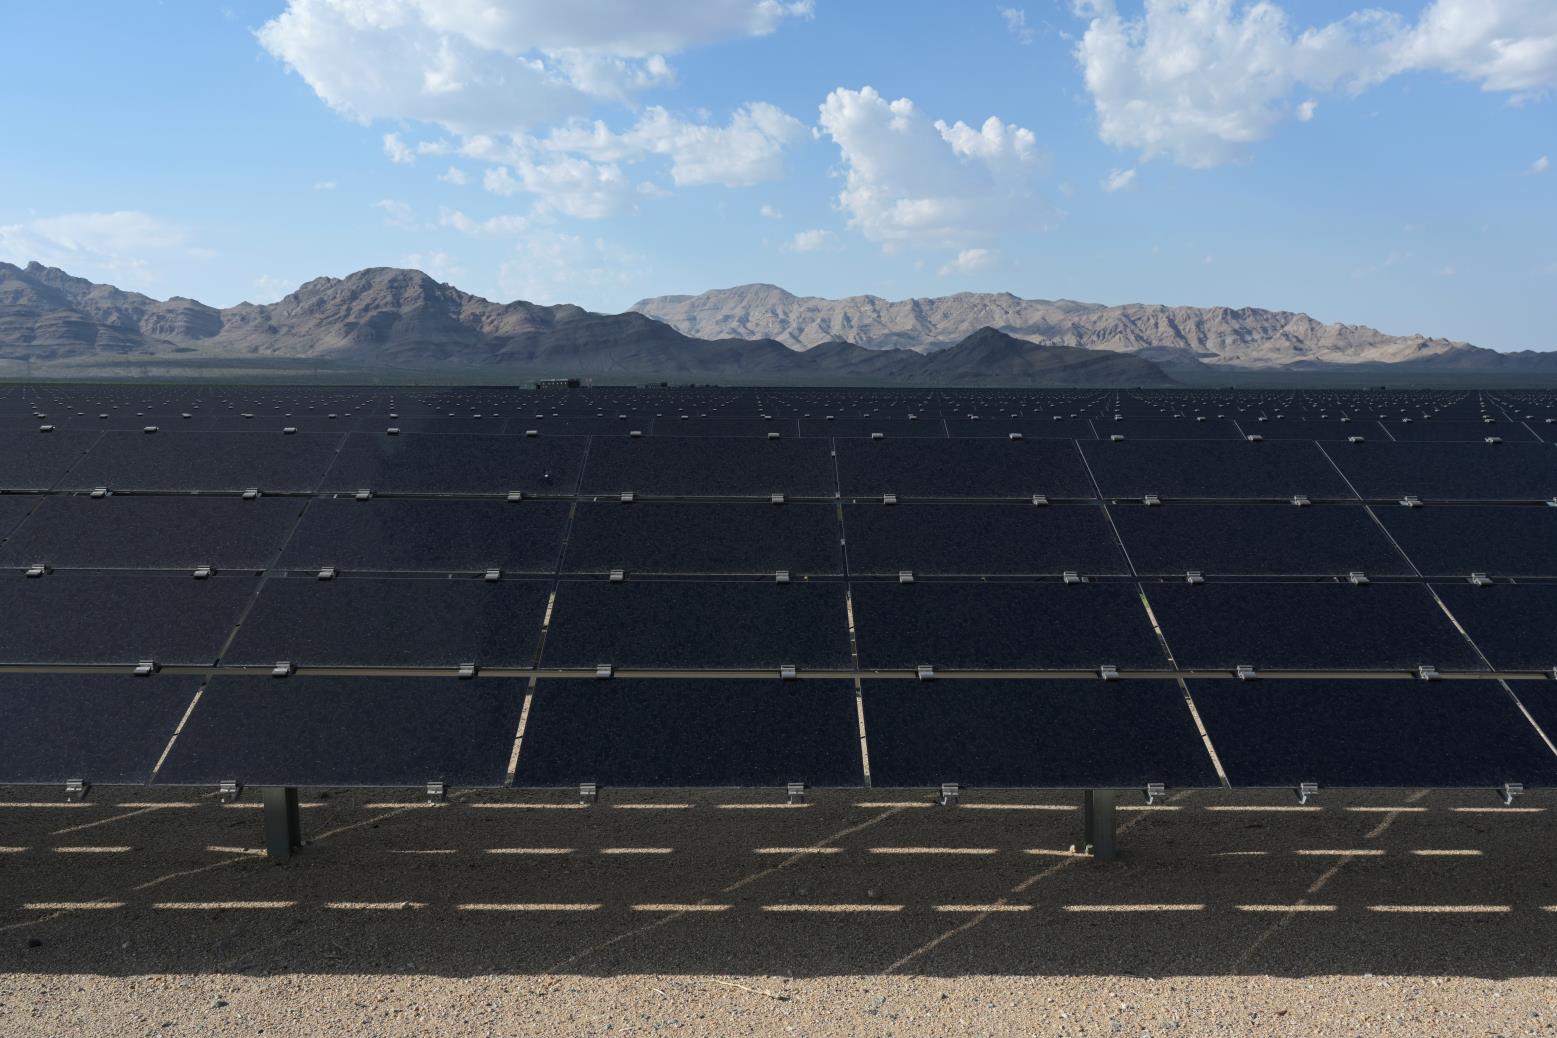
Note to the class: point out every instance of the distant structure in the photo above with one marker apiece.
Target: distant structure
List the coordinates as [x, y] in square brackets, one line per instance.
[557, 383]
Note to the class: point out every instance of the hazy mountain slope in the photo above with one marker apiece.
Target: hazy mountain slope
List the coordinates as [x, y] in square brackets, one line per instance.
[392, 318]
[1246, 337]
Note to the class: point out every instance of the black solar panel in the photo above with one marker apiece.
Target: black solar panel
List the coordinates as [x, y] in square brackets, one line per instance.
[150, 532]
[1027, 428]
[32, 460]
[1255, 540]
[677, 624]
[941, 538]
[1076, 733]
[348, 731]
[13, 510]
[669, 426]
[1515, 625]
[962, 468]
[1449, 471]
[1371, 733]
[981, 626]
[709, 467]
[427, 463]
[896, 428]
[1172, 429]
[579, 426]
[211, 461]
[1461, 432]
[1499, 540]
[442, 535]
[1275, 470]
[1311, 429]
[1315, 626]
[119, 618]
[675, 537]
[107, 729]
[392, 622]
[666, 732]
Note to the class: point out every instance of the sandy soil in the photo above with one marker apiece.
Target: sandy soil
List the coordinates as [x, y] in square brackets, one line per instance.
[1396, 913]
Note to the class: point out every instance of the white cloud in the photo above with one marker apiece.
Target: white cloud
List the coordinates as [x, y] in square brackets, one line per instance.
[770, 213]
[121, 246]
[404, 154]
[1540, 165]
[1201, 80]
[1119, 180]
[550, 267]
[970, 260]
[816, 240]
[493, 225]
[440, 265]
[908, 181]
[1016, 24]
[498, 66]
[574, 186]
[396, 213]
[324, 185]
[453, 175]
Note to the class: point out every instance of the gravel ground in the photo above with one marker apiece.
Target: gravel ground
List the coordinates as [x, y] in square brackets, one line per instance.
[1393, 913]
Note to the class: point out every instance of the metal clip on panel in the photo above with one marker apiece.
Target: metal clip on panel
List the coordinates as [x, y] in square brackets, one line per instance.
[1306, 790]
[951, 794]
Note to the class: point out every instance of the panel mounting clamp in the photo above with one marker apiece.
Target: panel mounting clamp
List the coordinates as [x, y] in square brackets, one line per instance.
[1115, 437]
[781, 576]
[45, 428]
[951, 794]
[1357, 577]
[204, 571]
[1108, 672]
[603, 670]
[1194, 576]
[924, 672]
[1305, 790]
[1040, 499]
[1356, 439]
[229, 790]
[787, 672]
[1480, 580]
[1014, 436]
[628, 497]
[1154, 791]
[773, 435]
[878, 436]
[282, 669]
[363, 495]
[515, 495]
[492, 574]
[1301, 500]
[327, 572]
[466, 670]
[99, 492]
[905, 576]
[1494, 440]
[1509, 791]
[437, 792]
[1256, 438]
[889, 499]
[1070, 576]
[77, 789]
[588, 793]
[796, 792]
[776, 499]
[37, 569]
[145, 668]
[1245, 672]
[1411, 501]
[616, 576]
[1151, 499]
[250, 493]
[1427, 672]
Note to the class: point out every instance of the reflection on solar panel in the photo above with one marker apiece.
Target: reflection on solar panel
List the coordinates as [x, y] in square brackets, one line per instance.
[1083, 733]
[348, 731]
[1371, 733]
[104, 728]
[777, 588]
[692, 733]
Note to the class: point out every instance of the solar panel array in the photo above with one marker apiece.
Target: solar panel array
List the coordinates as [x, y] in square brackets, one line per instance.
[726, 587]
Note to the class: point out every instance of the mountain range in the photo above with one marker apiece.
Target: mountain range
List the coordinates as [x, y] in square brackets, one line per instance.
[392, 322]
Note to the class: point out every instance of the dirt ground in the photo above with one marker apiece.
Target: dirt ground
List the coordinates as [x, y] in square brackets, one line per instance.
[1391, 913]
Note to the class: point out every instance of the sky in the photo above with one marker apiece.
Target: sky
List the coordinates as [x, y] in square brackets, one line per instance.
[1386, 165]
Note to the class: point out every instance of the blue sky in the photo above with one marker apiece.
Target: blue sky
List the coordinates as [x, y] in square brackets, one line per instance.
[1384, 165]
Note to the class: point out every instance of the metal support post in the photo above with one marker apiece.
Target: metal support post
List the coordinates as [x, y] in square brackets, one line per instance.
[1098, 816]
[283, 821]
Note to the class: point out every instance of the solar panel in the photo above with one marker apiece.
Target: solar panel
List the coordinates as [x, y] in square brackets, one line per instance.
[428, 463]
[675, 537]
[1371, 733]
[943, 538]
[13, 510]
[668, 732]
[895, 428]
[129, 531]
[1056, 733]
[962, 468]
[32, 460]
[709, 467]
[210, 460]
[1027, 428]
[1174, 429]
[1317, 626]
[442, 535]
[1213, 469]
[1449, 471]
[1255, 540]
[675, 426]
[120, 618]
[676, 624]
[1499, 540]
[107, 729]
[980, 626]
[348, 731]
[1462, 432]
[579, 426]
[392, 622]
[1515, 625]
[1311, 429]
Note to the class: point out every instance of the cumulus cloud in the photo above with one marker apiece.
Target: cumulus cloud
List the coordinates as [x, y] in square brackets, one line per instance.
[569, 185]
[908, 181]
[503, 65]
[1016, 25]
[453, 175]
[396, 213]
[770, 213]
[1540, 165]
[817, 240]
[402, 153]
[1200, 80]
[122, 246]
[970, 260]
[748, 150]
[507, 224]
[1119, 180]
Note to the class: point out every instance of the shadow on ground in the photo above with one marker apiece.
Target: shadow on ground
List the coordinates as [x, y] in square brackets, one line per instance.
[1404, 882]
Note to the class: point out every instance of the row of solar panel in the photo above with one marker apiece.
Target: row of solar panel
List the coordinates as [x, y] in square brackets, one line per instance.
[1056, 427]
[446, 535]
[307, 462]
[355, 731]
[119, 619]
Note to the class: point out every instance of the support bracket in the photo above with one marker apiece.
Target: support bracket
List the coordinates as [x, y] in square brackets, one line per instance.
[283, 821]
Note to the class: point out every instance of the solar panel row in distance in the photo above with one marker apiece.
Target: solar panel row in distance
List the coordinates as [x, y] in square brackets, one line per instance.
[962, 468]
[1274, 470]
[674, 466]
[213, 461]
[426, 463]
[677, 537]
[940, 539]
